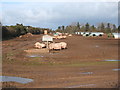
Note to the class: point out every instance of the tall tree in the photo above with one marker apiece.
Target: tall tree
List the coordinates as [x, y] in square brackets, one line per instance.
[119, 29]
[59, 27]
[87, 27]
[108, 29]
[92, 28]
[114, 27]
[78, 25]
[63, 28]
[102, 27]
[83, 28]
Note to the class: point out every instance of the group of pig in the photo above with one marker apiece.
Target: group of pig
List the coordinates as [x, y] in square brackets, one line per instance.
[52, 46]
[59, 37]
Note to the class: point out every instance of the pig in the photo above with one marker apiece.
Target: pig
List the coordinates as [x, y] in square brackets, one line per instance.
[64, 37]
[70, 35]
[66, 33]
[56, 46]
[39, 45]
[63, 45]
[55, 36]
[20, 36]
[59, 37]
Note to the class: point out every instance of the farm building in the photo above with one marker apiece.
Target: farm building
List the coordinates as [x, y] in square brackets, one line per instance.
[82, 33]
[116, 35]
[86, 34]
[90, 33]
[96, 34]
[79, 33]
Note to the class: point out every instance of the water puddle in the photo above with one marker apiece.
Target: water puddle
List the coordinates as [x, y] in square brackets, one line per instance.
[86, 73]
[54, 53]
[15, 79]
[112, 60]
[116, 69]
[96, 46]
[77, 86]
[35, 56]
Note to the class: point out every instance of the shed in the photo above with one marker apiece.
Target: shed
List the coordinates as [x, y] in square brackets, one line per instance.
[82, 33]
[86, 33]
[116, 35]
[96, 33]
[77, 33]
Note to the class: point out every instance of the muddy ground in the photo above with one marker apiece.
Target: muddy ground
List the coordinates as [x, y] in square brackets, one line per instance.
[65, 68]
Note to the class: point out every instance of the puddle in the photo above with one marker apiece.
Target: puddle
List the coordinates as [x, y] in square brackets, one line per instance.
[35, 56]
[111, 60]
[116, 69]
[96, 46]
[86, 73]
[76, 86]
[54, 53]
[15, 79]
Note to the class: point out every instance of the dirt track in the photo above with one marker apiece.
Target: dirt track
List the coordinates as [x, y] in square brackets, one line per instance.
[63, 68]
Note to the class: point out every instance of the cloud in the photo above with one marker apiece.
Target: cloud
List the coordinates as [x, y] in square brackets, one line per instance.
[60, 0]
[53, 14]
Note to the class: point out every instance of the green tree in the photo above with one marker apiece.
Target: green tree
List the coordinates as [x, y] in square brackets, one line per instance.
[83, 28]
[119, 29]
[5, 32]
[92, 28]
[78, 26]
[63, 28]
[59, 28]
[21, 30]
[102, 27]
[114, 27]
[108, 29]
[87, 27]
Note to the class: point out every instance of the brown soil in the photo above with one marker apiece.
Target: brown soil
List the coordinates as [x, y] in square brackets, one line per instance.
[62, 69]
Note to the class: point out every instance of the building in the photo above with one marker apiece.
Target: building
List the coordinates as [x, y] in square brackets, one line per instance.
[90, 33]
[116, 35]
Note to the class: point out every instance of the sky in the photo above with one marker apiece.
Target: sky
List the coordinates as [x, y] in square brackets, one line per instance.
[51, 14]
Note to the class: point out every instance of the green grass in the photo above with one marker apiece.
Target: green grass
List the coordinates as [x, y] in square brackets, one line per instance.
[38, 63]
[90, 63]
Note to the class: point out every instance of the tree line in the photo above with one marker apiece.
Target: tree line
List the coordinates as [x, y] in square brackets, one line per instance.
[76, 27]
[20, 29]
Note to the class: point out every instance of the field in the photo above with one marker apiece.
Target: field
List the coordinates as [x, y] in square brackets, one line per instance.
[81, 65]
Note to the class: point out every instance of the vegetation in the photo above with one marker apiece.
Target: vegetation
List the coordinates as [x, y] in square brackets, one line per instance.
[76, 27]
[19, 29]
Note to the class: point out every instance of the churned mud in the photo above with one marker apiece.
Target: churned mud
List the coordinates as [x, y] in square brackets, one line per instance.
[81, 65]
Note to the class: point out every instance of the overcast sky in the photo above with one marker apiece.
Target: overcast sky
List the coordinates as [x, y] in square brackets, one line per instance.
[54, 14]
